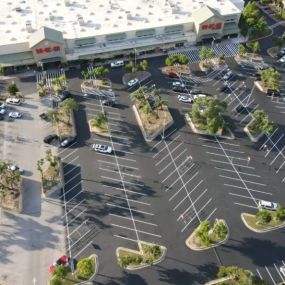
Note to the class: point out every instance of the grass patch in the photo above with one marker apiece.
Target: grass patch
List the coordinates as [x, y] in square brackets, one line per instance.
[252, 222]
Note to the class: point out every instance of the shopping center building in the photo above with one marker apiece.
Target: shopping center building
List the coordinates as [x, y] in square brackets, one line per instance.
[40, 31]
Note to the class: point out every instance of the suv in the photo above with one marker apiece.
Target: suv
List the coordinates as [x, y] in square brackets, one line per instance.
[179, 89]
[13, 101]
[109, 102]
[267, 205]
[273, 93]
[228, 75]
[117, 63]
[102, 148]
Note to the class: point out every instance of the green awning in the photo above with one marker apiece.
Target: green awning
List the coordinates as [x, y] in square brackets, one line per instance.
[173, 29]
[51, 59]
[145, 33]
[20, 58]
[85, 41]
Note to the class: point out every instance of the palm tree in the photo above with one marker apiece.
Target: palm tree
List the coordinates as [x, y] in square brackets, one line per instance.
[53, 115]
[68, 105]
[159, 103]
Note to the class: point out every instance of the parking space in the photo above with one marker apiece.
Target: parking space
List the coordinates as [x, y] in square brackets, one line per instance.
[272, 274]
[182, 182]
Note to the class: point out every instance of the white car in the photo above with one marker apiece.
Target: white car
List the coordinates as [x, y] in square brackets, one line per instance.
[178, 84]
[267, 205]
[282, 270]
[15, 115]
[185, 99]
[228, 75]
[2, 111]
[117, 63]
[2, 105]
[13, 168]
[196, 96]
[102, 148]
[13, 101]
[133, 82]
[282, 59]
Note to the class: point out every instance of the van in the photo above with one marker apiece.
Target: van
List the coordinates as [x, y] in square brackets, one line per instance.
[267, 205]
[117, 63]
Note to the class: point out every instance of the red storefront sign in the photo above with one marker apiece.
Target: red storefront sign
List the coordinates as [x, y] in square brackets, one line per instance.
[48, 49]
[211, 26]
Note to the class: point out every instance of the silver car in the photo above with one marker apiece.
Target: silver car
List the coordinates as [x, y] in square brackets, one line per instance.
[15, 115]
[102, 148]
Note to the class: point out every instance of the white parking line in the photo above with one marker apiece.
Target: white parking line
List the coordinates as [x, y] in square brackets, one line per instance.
[260, 276]
[235, 164]
[74, 167]
[240, 179]
[78, 174]
[107, 142]
[68, 155]
[252, 190]
[170, 134]
[244, 205]
[123, 158]
[278, 271]
[136, 184]
[125, 238]
[65, 193]
[74, 197]
[281, 151]
[212, 141]
[128, 208]
[242, 196]
[74, 207]
[232, 157]
[139, 231]
[65, 149]
[244, 173]
[77, 216]
[121, 198]
[179, 177]
[211, 214]
[139, 221]
[270, 275]
[113, 163]
[121, 189]
[69, 162]
[216, 147]
[123, 173]
[74, 256]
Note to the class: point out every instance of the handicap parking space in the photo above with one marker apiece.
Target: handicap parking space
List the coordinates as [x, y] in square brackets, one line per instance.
[182, 182]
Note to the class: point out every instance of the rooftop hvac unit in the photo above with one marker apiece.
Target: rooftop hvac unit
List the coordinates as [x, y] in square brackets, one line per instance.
[67, 2]
[51, 17]
[129, 15]
[80, 20]
[29, 28]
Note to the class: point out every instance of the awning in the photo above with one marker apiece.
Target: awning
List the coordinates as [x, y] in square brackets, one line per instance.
[51, 59]
[21, 58]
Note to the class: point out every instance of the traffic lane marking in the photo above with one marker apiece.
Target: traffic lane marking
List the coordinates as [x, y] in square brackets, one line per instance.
[235, 164]
[252, 190]
[244, 173]
[246, 181]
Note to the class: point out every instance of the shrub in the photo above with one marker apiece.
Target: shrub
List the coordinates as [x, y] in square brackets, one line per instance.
[85, 267]
[176, 58]
[220, 230]
[100, 120]
[126, 260]
[61, 271]
[12, 88]
[55, 281]
[203, 233]
[280, 213]
[264, 217]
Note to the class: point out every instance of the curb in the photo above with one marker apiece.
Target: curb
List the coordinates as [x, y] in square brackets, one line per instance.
[106, 134]
[251, 137]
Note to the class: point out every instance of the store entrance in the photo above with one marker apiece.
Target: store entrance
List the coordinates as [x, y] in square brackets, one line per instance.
[50, 63]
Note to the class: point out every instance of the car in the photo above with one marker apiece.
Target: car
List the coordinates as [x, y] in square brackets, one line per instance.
[282, 59]
[227, 75]
[282, 270]
[2, 111]
[224, 88]
[66, 142]
[267, 205]
[117, 63]
[185, 99]
[48, 139]
[196, 96]
[102, 148]
[243, 109]
[64, 95]
[13, 101]
[1, 117]
[273, 93]
[171, 74]
[63, 260]
[195, 91]
[15, 168]
[178, 84]
[15, 115]
[179, 89]
[109, 102]
[2, 105]
[133, 82]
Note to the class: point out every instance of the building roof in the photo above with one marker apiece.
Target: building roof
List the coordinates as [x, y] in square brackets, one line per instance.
[203, 14]
[85, 18]
[46, 33]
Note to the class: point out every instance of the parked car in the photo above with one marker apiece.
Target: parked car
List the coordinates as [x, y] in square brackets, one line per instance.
[195, 97]
[102, 148]
[66, 142]
[242, 109]
[2, 111]
[117, 63]
[195, 91]
[15, 115]
[267, 205]
[109, 102]
[63, 260]
[185, 99]
[171, 74]
[48, 139]
[179, 89]
[16, 168]
[228, 75]
[13, 101]
[224, 88]
[178, 84]
[64, 95]
[272, 92]
[282, 59]
[2, 105]
[133, 82]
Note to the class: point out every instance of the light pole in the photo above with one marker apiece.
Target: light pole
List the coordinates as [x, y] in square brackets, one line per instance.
[135, 57]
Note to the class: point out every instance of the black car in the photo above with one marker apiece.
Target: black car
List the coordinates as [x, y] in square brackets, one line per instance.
[224, 88]
[273, 93]
[179, 89]
[48, 139]
[242, 109]
[68, 141]
[64, 95]
[110, 103]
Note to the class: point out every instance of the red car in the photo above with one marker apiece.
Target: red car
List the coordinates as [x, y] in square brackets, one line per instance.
[64, 260]
[171, 74]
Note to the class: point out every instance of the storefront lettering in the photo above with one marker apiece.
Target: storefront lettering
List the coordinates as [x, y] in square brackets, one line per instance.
[211, 26]
[48, 49]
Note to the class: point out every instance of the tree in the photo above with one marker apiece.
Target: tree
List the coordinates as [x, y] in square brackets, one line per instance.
[203, 233]
[253, 46]
[206, 54]
[99, 71]
[159, 103]
[9, 180]
[270, 77]
[176, 59]
[129, 66]
[264, 217]
[280, 213]
[53, 115]
[259, 27]
[279, 41]
[12, 88]
[60, 271]
[100, 120]
[241, 50]
[220, 230]
[69, 105]
[143, 65]
[261, 122]
[85, 267]
[221, 58]
[55, 281]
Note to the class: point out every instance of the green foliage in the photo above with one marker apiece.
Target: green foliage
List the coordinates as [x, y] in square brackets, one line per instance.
[176, 59]
[279, 41]
[129, 66]
[220, 230]
[69, 105]
[85, 267]
[264, 216]
[61, 271]
[12, 88]
[126, 260]
[53, 115]
[9, 180]
[55, 281]
[240, 275]
[206, 53]
[59, 83]
[242, 50]
[262, 123]
[100, 71]
[206, 114]
[100, 120]
[203, 233]
[271, 78]
[280, 213]
[143, 65]
[253, 46]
